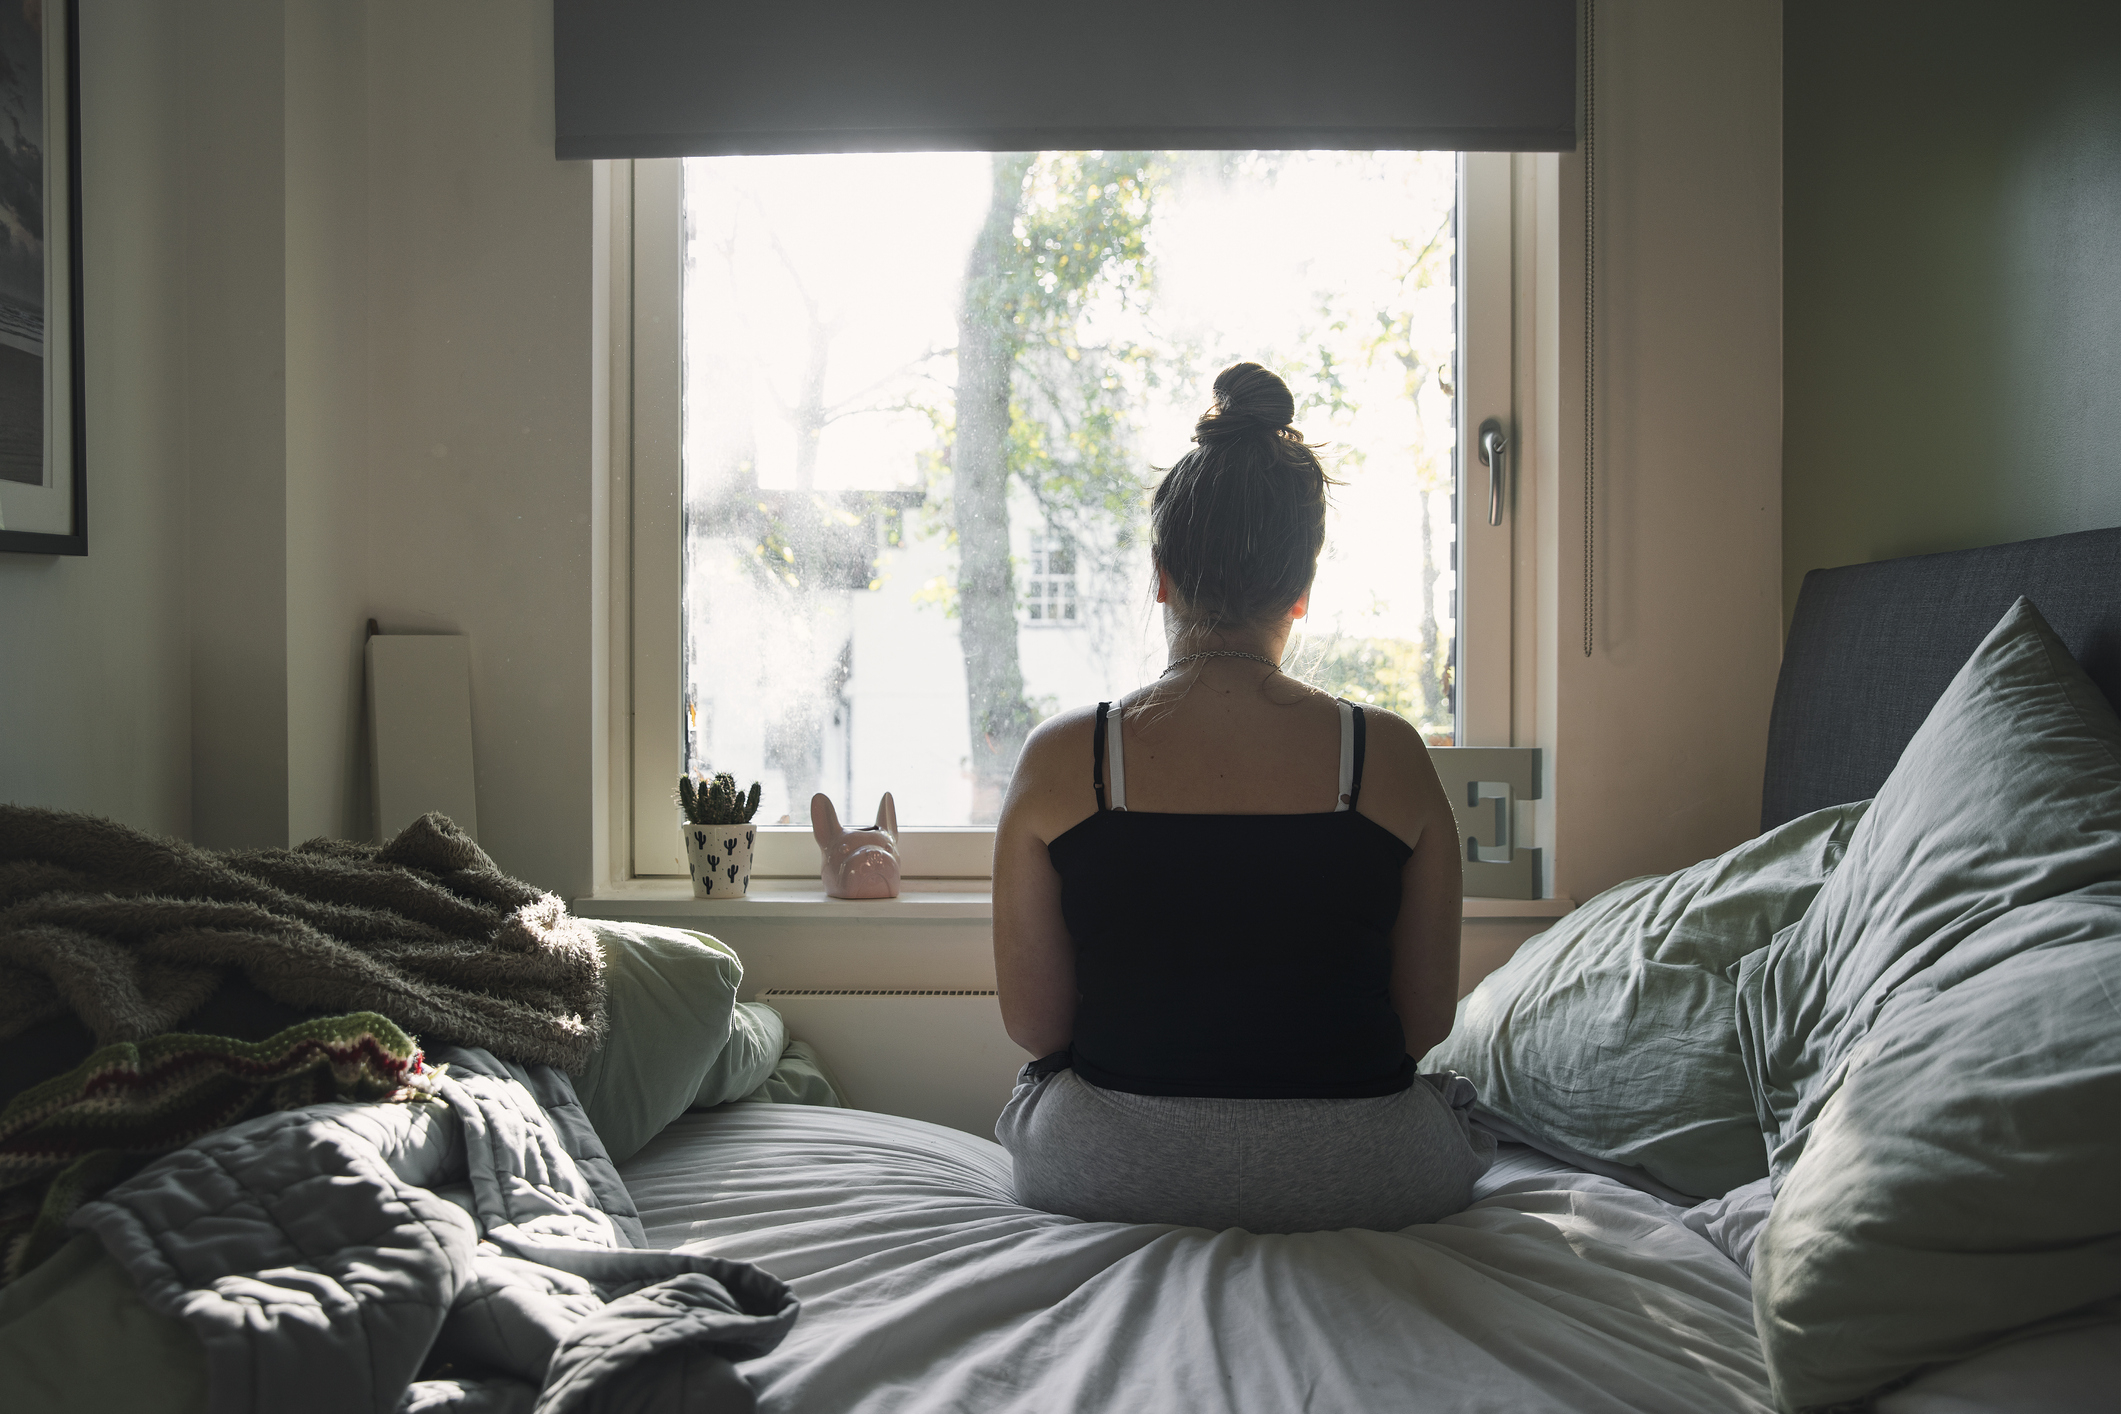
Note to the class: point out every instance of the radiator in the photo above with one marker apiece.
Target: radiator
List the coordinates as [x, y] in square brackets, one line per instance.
[938, 1055]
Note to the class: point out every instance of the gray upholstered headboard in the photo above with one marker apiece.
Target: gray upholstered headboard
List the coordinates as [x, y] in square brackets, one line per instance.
[1872, 648]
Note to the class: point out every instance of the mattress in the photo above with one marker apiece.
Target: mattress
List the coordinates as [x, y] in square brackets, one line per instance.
[924, 1287]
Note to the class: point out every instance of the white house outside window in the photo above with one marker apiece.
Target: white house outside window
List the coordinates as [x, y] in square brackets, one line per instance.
[1049, 593]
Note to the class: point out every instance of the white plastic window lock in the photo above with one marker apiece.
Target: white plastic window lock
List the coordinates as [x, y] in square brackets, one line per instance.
[1500, 793]
[1477, 778]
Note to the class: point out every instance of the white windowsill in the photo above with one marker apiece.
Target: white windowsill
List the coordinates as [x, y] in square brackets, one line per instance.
[659, 901]
[1515, 907]
[954, 900]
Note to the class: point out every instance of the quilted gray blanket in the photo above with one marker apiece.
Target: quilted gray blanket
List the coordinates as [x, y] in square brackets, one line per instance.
[475, 1255]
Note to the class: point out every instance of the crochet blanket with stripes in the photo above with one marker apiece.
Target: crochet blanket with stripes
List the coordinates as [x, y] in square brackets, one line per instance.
[67, 1140]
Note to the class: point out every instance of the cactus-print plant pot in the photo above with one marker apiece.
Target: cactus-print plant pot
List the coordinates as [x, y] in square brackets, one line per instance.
[719, 857]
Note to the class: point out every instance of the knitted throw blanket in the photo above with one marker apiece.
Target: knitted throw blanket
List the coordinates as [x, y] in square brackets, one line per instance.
[67, 1140]
[132, 933]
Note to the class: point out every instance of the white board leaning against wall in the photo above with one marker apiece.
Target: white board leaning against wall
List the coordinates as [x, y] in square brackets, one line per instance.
[419, 730]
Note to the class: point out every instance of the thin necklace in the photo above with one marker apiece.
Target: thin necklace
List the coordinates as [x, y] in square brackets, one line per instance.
[1217, 653]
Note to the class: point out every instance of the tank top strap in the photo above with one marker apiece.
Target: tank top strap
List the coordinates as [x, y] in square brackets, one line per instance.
[1097, 755]
[1352, 732]
[1116, 758]
[1108, 758]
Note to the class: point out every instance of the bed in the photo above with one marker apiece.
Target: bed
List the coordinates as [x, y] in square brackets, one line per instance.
[925, 1287]
[1826, 1123]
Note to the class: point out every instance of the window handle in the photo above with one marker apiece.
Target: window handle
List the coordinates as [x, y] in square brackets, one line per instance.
[1494, 450]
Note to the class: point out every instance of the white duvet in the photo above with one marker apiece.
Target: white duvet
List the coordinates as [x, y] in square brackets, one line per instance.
[925, 1288]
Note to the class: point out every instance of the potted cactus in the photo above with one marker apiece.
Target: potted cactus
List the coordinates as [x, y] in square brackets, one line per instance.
[718, 834]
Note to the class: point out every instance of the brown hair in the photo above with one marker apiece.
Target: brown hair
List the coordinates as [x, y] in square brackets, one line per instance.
[1239, 522]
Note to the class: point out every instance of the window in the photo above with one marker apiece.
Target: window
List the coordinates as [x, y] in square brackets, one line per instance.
[1049, 595]
[906, 425]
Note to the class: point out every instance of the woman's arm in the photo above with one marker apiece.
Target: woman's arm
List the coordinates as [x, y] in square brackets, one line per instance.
[1431, 890]
[1034, 958]
[1425, 940]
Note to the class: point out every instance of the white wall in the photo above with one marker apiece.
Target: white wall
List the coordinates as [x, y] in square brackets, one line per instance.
[481, 423]
[233, 240]
[1658, 739]
[328, 535]
[438, 417]
[95, 695]
[339, 360]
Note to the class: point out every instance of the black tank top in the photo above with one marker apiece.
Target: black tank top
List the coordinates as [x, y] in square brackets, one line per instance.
[1233, 955]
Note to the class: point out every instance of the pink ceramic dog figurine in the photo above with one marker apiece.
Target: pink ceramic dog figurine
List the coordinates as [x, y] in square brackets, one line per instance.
[857, 863]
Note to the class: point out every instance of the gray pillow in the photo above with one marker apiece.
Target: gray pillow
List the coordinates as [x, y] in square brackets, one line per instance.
[1964, 1184]
[1934, 1048]
[757, 1039]
[1610, 1034]
[799, 1078]
[672, 1002]
[2008, 794]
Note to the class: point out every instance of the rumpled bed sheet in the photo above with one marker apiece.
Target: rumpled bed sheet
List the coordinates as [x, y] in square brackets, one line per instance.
[926, 1288]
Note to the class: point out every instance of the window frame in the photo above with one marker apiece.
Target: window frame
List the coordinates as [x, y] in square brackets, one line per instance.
[646, 254]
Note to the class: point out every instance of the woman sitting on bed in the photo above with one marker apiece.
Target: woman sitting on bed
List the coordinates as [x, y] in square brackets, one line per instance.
[1226, 905]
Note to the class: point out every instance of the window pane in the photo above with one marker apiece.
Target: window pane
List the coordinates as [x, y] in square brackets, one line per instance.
[927, 396]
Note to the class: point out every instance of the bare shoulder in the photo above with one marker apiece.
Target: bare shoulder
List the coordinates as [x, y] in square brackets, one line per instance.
[1051, 788]
[1400, 790]
[1063, 732]
[1393, 739]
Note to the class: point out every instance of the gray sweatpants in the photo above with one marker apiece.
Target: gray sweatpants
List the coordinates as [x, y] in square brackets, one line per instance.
[1383, 1162]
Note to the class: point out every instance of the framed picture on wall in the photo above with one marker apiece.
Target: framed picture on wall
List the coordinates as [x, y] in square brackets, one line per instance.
[43, 460]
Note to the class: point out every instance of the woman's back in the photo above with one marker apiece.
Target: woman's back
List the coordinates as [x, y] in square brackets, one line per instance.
[1231, 903]
[1230, 744]
[1226, 906]
[1237, 739]
[1232, 982]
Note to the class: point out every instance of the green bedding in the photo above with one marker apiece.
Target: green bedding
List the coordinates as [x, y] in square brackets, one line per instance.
[757, 1040]
[799, 1078]
[678, 1036]
[1964, 1183]
[2009, 793]
[76, 1339]
[1935, 1049]
[1610, 1034]
[67, 1139]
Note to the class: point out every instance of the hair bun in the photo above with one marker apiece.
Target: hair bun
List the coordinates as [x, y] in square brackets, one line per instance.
[1249, 401]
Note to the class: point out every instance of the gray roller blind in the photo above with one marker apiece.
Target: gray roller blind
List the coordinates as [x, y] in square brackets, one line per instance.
[667, 78]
